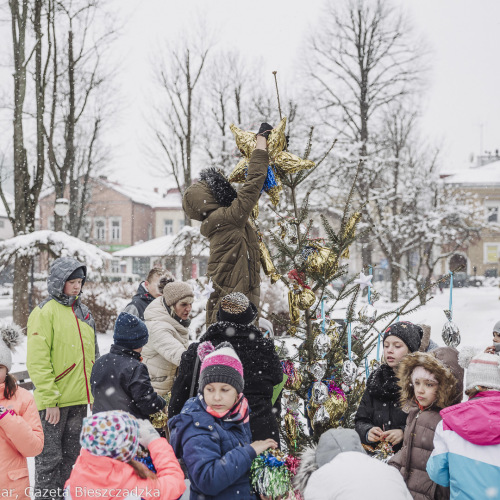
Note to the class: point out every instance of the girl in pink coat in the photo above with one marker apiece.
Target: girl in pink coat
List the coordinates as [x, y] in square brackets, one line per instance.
[21, 432]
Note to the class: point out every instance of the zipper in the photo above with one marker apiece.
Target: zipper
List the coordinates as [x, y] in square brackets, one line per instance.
[83, 352]
[65, 372]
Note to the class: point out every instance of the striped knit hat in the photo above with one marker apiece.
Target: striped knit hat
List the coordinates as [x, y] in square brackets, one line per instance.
[113, 434]
[483, 369]
[220, 364]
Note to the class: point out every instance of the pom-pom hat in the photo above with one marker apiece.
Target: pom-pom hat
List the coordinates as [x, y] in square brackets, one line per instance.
[483, 369]
[113, 434]
[130, 331]
[10, 337]
[220, 364]
[237, 308]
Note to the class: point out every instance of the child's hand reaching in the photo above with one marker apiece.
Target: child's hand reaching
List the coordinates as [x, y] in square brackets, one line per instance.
[147, 433]
[394, 436]
[375, 434]
[261, 446]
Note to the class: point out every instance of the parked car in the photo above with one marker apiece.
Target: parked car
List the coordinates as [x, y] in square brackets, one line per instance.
[461, 280]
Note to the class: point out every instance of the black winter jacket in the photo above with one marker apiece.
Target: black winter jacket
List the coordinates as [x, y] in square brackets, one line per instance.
[139, 302]
[380, 406]
[261, 370]
[119, 381]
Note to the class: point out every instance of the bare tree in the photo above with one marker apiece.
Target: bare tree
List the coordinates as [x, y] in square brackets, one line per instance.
[178, 118]
[363, 58]
[74, 120]
[28, 180]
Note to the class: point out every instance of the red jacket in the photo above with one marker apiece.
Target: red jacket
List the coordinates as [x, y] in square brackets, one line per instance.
[108, 478]
[21, 436]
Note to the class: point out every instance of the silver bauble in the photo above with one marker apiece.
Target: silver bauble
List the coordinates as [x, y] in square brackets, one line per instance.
[318, 369]
[349, 370]
[291, 400]
[451, 334]
[367, 314]
[319, 393]
[321, 417]
[322, 345]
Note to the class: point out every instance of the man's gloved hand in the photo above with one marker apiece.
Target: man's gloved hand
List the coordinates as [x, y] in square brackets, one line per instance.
[147, 433]
[265, 130]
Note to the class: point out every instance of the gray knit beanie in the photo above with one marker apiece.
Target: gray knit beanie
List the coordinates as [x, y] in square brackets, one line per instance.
[174, 291]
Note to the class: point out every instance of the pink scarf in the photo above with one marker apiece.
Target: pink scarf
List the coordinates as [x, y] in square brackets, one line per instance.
[238, 414]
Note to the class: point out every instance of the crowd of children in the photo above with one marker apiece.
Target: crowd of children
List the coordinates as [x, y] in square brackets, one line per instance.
[221, 413]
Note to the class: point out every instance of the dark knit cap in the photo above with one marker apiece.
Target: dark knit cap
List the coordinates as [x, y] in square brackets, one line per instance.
[130, 331]
[220, 364]
[236, 308]
[409, 333]
[78, 273]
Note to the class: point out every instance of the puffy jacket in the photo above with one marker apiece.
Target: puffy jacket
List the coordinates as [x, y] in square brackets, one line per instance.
[121, 382]
[261, 368]
[62, 345]
[107, 478]
[466, 454]
[354, 476]
[168, 339]
[21, 436]
[217, 454]
[139, 302]
[411, 460]
[379, 406]
[234, 262]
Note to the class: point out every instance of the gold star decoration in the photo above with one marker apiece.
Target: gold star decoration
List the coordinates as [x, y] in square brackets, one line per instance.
[286, 162]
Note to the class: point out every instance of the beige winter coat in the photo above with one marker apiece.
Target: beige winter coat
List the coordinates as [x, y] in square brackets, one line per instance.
[168, 339]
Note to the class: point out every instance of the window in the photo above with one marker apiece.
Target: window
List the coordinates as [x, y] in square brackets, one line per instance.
[168, 226]
[182, 223]
[51, 223]
[115, 228]
[100, 228]
[491, 253]
[492, 214]
[115, 266]
[2, 223]
[141, 266]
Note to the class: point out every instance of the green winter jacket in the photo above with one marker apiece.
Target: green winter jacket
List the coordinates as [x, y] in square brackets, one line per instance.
[234, 262]
[62, 345]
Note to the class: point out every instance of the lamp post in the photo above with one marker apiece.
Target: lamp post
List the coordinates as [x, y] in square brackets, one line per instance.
[61, 210]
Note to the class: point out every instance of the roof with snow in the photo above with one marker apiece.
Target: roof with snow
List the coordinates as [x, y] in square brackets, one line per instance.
[170, 245]
[136, 194]
[172, 200]
[486, 175]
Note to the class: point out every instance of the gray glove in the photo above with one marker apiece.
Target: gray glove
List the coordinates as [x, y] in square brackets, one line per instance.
[147, 433]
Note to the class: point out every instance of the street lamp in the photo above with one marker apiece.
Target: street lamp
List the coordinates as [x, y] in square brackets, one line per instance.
[62, 207]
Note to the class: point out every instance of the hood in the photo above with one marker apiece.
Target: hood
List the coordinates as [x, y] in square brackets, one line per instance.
[307, 466]
[142, 293]
[475, 420]
[443, 363]
[191, 411]
[204, 197]
[60, 270]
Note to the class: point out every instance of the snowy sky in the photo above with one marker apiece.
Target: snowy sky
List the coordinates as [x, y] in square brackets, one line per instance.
[464, 83]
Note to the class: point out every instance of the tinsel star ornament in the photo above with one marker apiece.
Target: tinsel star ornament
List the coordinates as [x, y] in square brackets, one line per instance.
[280, 162]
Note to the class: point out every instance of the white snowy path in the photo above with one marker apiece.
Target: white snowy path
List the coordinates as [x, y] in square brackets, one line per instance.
[475, 311]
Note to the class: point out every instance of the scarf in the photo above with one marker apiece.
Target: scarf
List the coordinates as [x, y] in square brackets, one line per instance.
[383, 384]
[238, 414]
[184, 322]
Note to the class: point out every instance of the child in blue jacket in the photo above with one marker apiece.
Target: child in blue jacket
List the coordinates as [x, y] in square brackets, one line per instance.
[212, 433]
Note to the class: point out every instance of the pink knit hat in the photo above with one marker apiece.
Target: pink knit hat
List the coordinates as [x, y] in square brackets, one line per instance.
[220, 364]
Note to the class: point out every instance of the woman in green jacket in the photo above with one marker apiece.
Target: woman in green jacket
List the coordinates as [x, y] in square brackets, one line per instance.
[62, 349]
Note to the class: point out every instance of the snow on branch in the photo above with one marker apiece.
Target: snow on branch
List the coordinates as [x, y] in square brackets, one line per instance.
[56, 243]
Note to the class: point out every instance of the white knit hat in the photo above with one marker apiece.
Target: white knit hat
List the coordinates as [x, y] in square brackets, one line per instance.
[10, 336]
[483, 369]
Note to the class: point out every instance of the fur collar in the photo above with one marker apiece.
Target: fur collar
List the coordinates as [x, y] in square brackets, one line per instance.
[220, 187]
[307, 466]
[383, 384]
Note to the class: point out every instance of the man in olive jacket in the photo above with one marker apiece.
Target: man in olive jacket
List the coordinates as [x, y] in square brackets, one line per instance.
[234, 262]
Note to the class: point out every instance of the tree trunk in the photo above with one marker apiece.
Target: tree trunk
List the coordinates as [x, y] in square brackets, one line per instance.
[395, 273]
[20, 308]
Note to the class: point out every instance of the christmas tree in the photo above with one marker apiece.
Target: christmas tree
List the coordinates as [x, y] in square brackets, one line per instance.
[327, 374]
